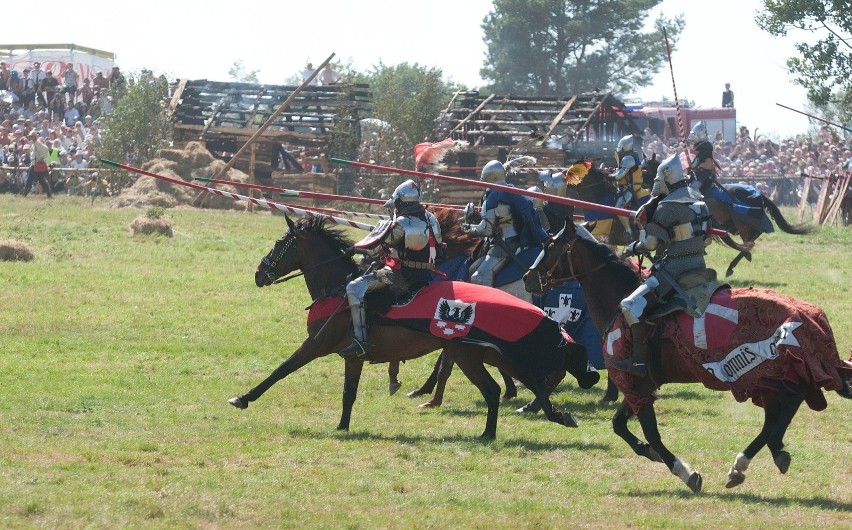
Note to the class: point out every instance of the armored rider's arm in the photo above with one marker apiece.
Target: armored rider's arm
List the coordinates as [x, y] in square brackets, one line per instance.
[627, 164]
[487, 227]
[648, 240]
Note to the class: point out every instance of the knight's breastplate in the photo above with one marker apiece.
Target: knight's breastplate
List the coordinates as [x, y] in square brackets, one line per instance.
[416, 238]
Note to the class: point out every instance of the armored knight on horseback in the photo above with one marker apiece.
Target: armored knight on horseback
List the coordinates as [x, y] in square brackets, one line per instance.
[628, 179]
[406, 245]
[509, 224]
[676, 232]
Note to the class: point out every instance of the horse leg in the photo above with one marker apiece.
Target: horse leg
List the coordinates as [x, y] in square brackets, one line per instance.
[306, 353]
[429, 385]
[611, 394]
[350, 391]
[789, 405]
[619, 426]
[734, 263]
[443, 369]
[648, 420]
[393, 377]
[551, 382]
[542, 396]
[470, 360]
[510, 390]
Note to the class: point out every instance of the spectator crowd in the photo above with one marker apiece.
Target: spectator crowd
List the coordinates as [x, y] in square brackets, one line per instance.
[52, 118]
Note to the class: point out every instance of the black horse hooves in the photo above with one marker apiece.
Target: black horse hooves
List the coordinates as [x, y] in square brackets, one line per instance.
[695, 482]
[735, 478]
[238, 402]
[729, 273]
[782, 461]
[393, 387]
[569, 420]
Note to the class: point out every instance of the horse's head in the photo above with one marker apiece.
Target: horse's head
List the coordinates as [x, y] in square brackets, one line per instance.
[280, 260]
[321, 252]
[552, 265]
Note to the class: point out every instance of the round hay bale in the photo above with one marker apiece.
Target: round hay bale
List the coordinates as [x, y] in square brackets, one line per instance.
[152, 225]
[12, 250]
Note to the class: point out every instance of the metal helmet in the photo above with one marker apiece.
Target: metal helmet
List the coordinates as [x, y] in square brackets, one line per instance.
[493, 171]
[669, 172]
[625, 145]
[406, 192]
[537, 203]
[698, 133]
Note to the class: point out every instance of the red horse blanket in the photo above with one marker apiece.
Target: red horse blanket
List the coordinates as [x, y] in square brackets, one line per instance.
[475, 314]
[746, 338]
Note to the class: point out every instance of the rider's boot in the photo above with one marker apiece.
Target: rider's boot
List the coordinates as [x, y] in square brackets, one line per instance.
[359, 348]
[636, 362]
[628, 232]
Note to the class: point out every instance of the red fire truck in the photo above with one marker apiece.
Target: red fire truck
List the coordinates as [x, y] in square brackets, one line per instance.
[661, 118]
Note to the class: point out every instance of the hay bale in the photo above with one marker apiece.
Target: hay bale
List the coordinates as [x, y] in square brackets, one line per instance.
[193, 161]
[152, 225]
[12, 250]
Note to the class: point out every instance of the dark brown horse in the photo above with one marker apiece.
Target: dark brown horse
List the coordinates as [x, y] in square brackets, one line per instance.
[735, 209]
[323, 255]
[606, 280]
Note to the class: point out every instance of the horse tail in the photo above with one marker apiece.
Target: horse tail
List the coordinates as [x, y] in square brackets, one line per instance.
[799, 229]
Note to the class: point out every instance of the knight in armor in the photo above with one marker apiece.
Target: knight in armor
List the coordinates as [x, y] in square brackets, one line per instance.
[676, 233]
[509, 225]
[703, 166]
[628, 178]
[405, 246]
[557, 184]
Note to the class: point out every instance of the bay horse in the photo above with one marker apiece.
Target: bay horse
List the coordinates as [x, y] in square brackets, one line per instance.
[607, 279]
[749, 222]
[597, 187]
[323, 255]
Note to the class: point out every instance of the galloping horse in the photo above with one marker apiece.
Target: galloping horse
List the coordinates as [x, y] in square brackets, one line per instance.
[783, 368]
[741, 210]
[324, 256]
[597, 187]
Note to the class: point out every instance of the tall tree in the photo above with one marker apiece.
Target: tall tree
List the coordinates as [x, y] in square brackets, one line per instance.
[824, 67]
[561, 47]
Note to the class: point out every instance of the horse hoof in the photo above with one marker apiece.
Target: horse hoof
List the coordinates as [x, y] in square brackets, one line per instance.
[429, 405]
[415, 393]
[695, 482]
[735, 478]
[238, 402]
[782, 461]
[393, 387]
[729, 272]
[569, 420]
[487, 436]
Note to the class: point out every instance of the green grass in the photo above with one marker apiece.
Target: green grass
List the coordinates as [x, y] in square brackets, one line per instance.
[120, 351]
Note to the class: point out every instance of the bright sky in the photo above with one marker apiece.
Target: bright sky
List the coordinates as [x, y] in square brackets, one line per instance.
[202, 40]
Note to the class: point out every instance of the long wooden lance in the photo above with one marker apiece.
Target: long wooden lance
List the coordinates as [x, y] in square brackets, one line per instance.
[259, 202]
[283, 192]
[815, 117]
[508, 189]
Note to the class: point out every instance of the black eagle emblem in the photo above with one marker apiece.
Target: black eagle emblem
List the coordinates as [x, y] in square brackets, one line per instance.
[454, 314]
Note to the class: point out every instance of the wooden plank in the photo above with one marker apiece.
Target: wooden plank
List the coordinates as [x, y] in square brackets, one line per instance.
[461, 123]
[211, 118]
[837, 199]
[176, 97]
[559, 117]
[803, 203]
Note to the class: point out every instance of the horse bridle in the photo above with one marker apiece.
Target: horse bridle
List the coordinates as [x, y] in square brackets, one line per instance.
[549, 280]
[278, 253]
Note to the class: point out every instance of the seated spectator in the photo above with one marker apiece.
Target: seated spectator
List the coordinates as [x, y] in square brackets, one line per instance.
[71, 116]
[329, 76]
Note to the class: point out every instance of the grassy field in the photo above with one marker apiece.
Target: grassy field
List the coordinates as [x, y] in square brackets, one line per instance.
[120, 352]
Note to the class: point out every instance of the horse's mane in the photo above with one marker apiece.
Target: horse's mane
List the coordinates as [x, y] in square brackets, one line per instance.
[332, 235]
[458, 243]
[624, 272]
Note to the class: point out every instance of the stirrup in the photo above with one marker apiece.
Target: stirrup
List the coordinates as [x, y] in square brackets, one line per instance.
[627, 365]
[356, 350]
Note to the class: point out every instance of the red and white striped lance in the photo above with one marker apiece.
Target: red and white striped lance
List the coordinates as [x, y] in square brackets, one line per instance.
[259, 202]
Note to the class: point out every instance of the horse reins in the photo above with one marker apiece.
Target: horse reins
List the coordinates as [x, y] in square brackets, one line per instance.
[551, 281]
